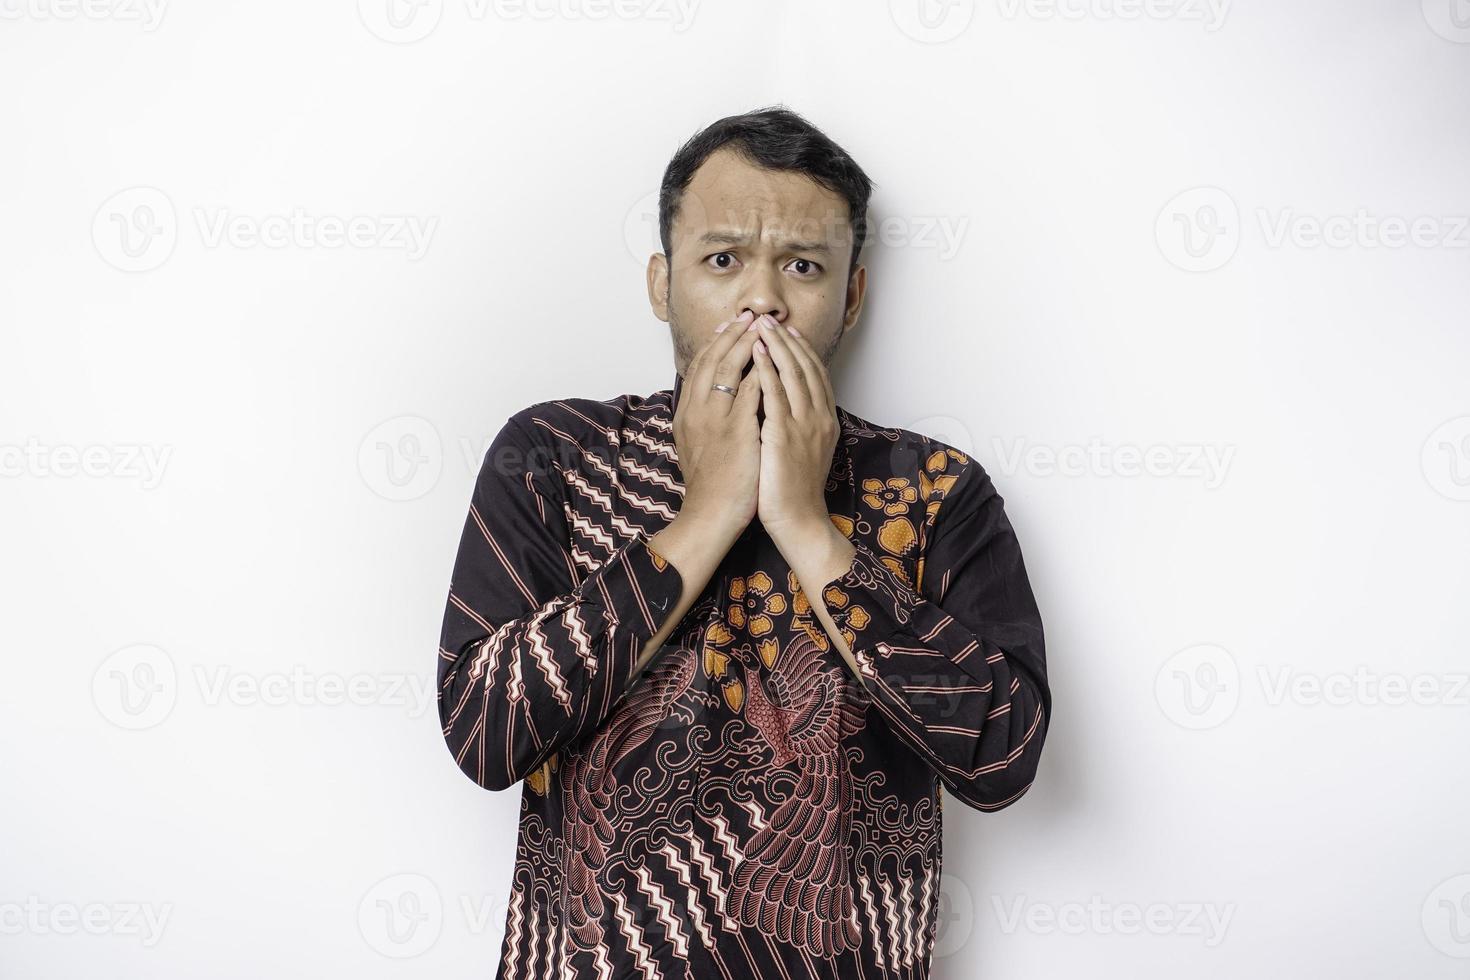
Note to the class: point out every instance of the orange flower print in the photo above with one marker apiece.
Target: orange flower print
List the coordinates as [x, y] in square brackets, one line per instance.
[800, 605]
[716, 661]
[892, 497]
[754, 603]
[850, 619]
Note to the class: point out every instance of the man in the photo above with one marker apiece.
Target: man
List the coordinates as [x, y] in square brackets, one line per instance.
[731, 636]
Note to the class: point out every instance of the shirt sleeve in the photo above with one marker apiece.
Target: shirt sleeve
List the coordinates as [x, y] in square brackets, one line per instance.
[535, 649]
[957, 668]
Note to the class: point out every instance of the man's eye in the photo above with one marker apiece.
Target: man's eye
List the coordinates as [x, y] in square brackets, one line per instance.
[810, 267]
[719, 255]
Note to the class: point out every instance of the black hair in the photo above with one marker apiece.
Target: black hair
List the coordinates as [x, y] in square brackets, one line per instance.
[775, 138]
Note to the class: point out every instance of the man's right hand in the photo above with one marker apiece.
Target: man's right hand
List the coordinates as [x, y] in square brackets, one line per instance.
[716, 434]
[719, 446]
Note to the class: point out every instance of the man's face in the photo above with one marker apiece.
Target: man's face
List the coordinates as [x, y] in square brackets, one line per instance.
[772, 242]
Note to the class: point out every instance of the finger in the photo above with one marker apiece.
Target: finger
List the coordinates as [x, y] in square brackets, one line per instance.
[731, 369]
[793, 375]
[818, 369]
[702, 367]
[772, 391]
[811, 371]
[749, 395]
[726, 335]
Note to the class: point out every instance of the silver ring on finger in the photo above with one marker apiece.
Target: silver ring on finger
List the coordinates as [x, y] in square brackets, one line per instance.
[725, 388]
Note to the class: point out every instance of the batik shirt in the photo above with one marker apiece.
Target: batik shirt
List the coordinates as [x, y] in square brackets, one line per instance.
[743, 806]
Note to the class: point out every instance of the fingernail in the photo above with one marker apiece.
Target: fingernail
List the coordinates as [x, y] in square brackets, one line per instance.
[792, 330]
[722, 326]
[760, 346]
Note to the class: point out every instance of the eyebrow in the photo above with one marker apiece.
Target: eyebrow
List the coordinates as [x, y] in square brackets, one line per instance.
[740, 238]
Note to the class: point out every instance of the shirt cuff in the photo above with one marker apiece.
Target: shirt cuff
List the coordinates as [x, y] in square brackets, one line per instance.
[636, 589]
[872, 605]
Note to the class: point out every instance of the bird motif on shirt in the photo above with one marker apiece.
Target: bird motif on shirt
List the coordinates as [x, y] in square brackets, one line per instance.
[588, 786]
[793, 881]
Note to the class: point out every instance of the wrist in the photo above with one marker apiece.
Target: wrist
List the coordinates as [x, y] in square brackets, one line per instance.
[816, 551]
[719, 522]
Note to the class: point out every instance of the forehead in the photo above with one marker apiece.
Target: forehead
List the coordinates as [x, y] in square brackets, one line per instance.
[730, 193]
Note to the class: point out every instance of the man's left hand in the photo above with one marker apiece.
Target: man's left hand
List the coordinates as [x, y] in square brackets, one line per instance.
[798, 436]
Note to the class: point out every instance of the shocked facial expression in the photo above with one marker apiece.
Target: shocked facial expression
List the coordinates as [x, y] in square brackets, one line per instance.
[747, 238]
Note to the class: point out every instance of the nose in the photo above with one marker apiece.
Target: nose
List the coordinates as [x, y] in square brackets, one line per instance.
[762, 294]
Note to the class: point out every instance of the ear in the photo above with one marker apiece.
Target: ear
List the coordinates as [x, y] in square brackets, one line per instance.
[657, 275]
[857, 288]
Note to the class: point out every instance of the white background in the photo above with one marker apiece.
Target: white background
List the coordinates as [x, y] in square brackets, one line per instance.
[1228, 241]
